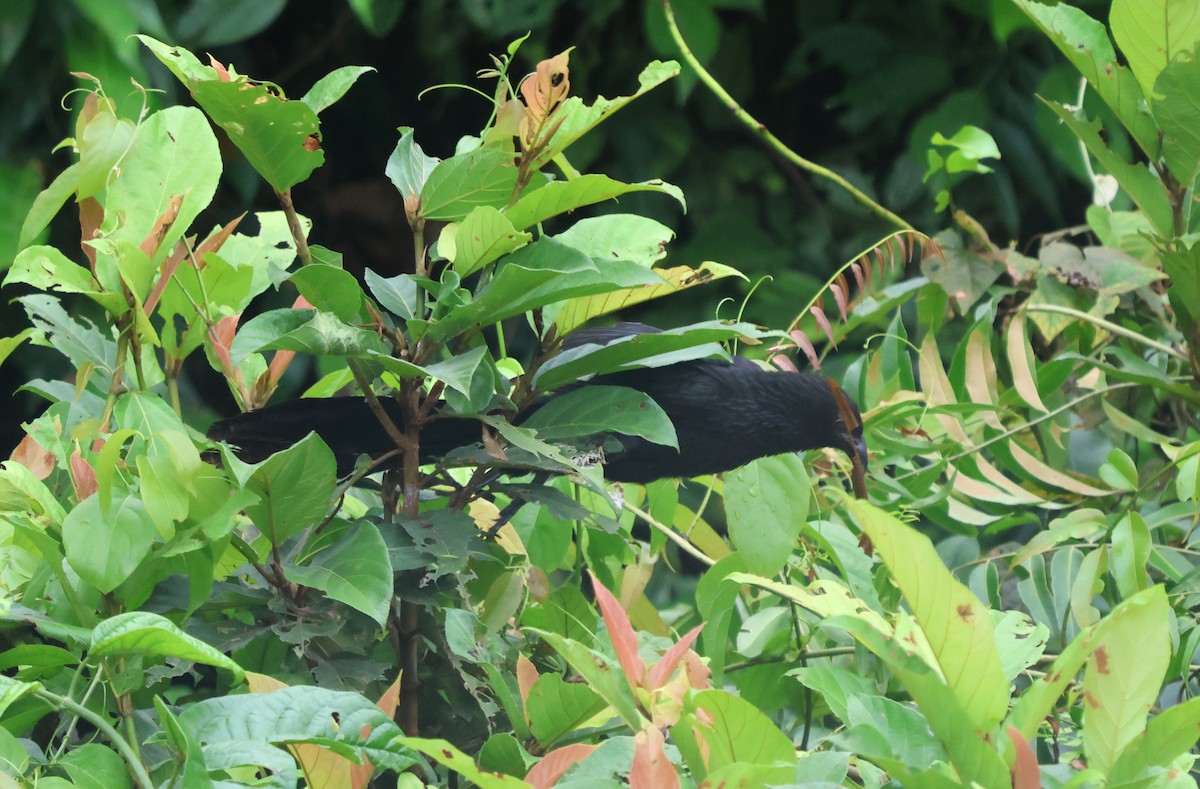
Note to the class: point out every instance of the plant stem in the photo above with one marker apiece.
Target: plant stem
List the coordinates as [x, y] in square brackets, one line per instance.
[758, 128]
[293, 220]
[1108, 326]
[671, 535]
[123, 746]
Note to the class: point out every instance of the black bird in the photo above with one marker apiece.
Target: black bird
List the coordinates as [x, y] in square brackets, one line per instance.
[725, 413]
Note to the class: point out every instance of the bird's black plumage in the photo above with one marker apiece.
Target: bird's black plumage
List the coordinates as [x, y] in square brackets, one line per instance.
[726, 414]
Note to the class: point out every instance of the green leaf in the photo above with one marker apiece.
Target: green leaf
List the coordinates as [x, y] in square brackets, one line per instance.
[603, 409]
[741, 733]
[295, 487]
[330, 289]
[577, 312]
[354, 570]
[619, 237]
[397, 295]
[408, 167]
[766, 503]
[105, 548]
[449, 756]
[628, 352]
[346, 723]
[561, 197]
[971, 146]
[105, 140]
[94, 766]
[174, 155]
[377, 16]
[533, 276]
[1123, 677]
[482, 177]
[182, 63]
[556, 707]
[602, 675]
[308, 331]
[1151, 33]
[1131, 546]
[48, 203]
[46, 268]
[957, 625]
[331, 87]
[1168, 736]
[1085, 43]
[576, 118]
[147, 634]
[273, 133]
[484, 235]
[1177, 109]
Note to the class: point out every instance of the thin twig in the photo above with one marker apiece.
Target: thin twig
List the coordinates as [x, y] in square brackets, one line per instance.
[758, 128]
[671, 535]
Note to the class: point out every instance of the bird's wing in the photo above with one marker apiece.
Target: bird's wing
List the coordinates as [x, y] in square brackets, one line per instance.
[603, 335]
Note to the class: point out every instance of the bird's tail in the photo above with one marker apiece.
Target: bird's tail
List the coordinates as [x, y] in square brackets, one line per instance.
[346, 424]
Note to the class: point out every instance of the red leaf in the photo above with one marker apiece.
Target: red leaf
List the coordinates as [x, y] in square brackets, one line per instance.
[552, 766]
[805, 344]
[222, 72]
[651, 767]
[784, 363]
[839, 295]
[857, 271]
[822, 319]
[666, 665]
[83, 476]
[1025, 769]
[527, 674]
[624, 640]
[32, 456]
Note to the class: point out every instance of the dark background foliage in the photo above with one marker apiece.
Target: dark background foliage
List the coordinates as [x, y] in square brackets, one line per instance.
[856, 86]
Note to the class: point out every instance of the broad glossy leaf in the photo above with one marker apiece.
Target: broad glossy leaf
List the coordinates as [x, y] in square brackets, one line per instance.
[482, 237]
[483, 177]
[105, 548]
[330, 289]
[741, 733]
[1177, 110]
[766, 503]
[1169, 735]
[408, 167]
[295, 486]
[355, 571]
[533, 276]
[1084, 41]
[599, 409]
[556, 707]
[46, 268]
[308, 331]
[578, 118]
[602, 675]
[47, 204]
[144, 633]
[95, 766]
[1146, 190]
[630, 352]
[174, 155]
[577, 312]
[331, 87]
[347, 723]
[272, 132]
[1151, 33]
[1123, 676]
[619, 237]
[957, 625]
[560, 197]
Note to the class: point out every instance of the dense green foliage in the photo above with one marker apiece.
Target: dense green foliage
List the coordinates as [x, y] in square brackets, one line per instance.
[1010, 606]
